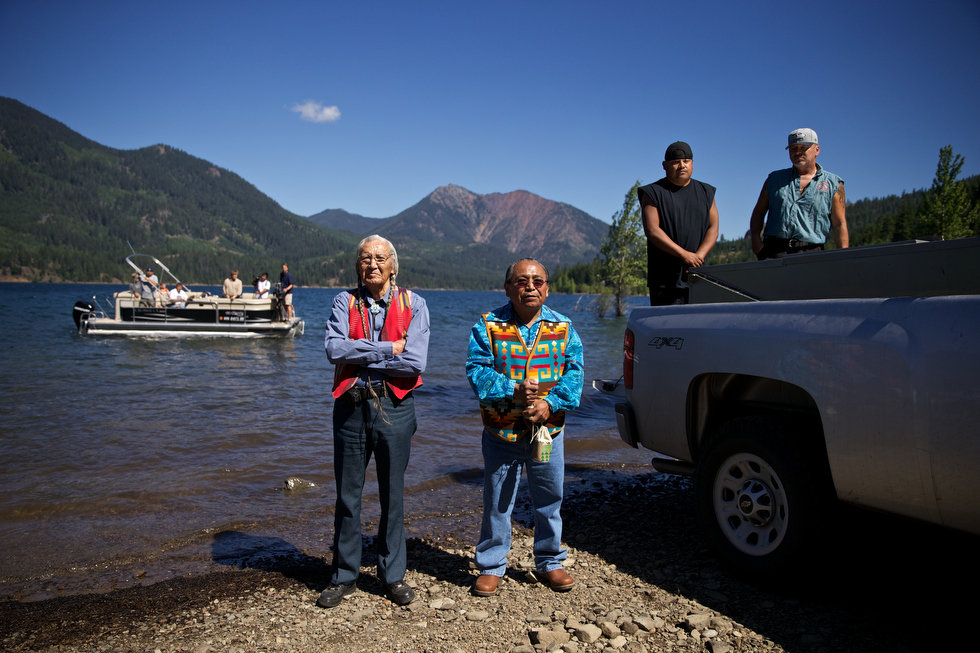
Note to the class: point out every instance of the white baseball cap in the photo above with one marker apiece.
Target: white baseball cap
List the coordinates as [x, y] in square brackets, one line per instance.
[802, 136]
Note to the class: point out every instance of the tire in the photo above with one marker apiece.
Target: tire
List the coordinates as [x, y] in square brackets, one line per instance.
[760, 490]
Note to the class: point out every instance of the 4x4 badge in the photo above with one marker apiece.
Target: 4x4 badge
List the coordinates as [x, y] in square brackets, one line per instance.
[660, 342]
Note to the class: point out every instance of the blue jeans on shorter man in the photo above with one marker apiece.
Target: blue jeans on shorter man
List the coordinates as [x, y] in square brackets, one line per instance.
[358, 432]
[502, 463]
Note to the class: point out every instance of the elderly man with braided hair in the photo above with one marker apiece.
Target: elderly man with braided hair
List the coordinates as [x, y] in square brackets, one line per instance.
[377, 337]
[525, 364]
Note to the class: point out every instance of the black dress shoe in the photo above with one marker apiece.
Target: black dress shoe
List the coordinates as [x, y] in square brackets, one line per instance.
[400, 592]
[333, 595]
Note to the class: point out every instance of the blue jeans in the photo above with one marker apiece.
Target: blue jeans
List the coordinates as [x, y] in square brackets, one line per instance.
[502, 464]
[358, 432]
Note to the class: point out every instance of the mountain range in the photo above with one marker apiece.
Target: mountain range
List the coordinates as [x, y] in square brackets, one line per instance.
[71, 209]
[519, 222]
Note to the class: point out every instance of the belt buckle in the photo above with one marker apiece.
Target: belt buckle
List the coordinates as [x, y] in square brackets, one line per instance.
[795, 243]
[363, 393]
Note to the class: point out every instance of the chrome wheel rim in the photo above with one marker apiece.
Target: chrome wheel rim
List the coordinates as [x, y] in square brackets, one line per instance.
[750, 504]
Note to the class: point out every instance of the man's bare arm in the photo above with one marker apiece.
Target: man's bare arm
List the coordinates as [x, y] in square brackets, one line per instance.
[757, 221]
[711, 235]
[838, 221]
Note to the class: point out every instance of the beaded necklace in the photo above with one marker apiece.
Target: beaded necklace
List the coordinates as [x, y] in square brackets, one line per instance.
[375, 308]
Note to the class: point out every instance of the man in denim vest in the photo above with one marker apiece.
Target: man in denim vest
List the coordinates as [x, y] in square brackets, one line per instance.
[804, 203]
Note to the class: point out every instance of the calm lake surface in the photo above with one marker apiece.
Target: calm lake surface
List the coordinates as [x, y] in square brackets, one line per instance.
[130, 460]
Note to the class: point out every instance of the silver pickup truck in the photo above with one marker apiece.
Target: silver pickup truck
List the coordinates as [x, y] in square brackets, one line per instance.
[850, 375]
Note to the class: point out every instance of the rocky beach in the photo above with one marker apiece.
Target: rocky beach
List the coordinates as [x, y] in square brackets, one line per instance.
[644, 582]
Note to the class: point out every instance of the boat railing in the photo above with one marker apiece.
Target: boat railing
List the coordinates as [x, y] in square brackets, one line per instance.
[162, 310]
[205, 300]
[98, 310]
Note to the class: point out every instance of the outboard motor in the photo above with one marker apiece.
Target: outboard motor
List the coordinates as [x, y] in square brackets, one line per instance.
[81, 313]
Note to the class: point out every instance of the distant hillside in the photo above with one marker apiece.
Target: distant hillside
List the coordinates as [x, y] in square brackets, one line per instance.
[346, 221]
[505, 225]
[69, 206]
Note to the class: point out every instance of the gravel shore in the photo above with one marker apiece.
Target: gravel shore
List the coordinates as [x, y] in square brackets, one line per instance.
[644, 582]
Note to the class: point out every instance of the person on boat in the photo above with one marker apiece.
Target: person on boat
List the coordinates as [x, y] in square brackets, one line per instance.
[178, 295]
[680, 219]
[286, 288]
[377, 337]
[804, 202]
[232, 288]
[263, 286]
[525, 365]
[148, 288]
[163, 294]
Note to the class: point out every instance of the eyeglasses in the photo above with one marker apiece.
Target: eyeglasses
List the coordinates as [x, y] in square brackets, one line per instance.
[523, 282]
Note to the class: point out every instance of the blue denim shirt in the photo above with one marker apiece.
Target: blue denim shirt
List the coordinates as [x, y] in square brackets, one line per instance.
[804, 216]
[489, 384]
[375, 356]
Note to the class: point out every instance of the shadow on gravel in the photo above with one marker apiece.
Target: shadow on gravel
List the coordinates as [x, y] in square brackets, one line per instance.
[880, 584]
[276, 555]
[438, 563]
[80, 623]
[273, 554]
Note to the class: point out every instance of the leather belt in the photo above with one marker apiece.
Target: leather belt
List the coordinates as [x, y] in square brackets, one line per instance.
[357, 394]
[792, 243]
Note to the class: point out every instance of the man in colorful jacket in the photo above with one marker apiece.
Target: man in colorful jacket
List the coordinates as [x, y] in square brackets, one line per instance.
[525, 364]
[378, 340]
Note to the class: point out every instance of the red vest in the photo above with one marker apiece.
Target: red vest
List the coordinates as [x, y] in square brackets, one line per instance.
[395, 328]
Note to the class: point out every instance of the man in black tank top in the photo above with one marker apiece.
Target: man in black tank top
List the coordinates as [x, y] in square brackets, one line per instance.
[680, 220]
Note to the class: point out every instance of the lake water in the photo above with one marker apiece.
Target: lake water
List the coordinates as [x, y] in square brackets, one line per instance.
[134, 459]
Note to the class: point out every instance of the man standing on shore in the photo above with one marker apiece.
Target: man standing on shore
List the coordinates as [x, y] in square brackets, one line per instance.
[804, 203]
[680, 220]
[525, 364]
[378, 340]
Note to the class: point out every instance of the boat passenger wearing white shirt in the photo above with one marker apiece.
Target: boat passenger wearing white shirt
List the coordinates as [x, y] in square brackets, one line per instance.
[263, 287]
[178, 295]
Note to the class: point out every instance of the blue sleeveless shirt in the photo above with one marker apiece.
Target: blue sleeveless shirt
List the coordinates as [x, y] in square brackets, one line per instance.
[804, 217]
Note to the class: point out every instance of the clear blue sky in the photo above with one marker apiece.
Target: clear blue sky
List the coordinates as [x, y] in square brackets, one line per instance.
[570, 100]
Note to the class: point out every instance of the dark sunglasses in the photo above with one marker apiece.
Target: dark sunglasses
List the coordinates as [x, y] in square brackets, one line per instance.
[523, 283]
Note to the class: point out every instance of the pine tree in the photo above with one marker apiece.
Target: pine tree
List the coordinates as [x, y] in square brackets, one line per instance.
[622, 255]
[947, 211]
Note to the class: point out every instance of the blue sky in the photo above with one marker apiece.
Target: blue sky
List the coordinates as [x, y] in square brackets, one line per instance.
[570, 100]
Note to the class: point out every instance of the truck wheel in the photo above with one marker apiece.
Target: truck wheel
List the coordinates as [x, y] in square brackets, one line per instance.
[757, 496]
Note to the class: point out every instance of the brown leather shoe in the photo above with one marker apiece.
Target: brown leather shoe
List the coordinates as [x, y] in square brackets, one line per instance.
[557, 579]
[486, 585]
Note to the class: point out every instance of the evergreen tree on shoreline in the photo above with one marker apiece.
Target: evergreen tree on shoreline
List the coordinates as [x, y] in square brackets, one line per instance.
[622, 255]
[947, 211]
